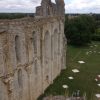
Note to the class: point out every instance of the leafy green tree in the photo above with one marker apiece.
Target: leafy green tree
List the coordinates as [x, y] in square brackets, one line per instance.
[15, 15]
[79, 30]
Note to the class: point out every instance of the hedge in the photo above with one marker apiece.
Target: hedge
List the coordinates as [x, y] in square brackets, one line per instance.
[96, 37]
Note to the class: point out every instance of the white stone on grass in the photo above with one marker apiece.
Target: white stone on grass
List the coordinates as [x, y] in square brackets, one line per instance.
[96, 80]
[65, 86]
[90, 51]
[87, 53]
[95, 45]
[75, 71]
[98, 85]
[97, 95]
[71, 78]
[99, 76]
[81, 62]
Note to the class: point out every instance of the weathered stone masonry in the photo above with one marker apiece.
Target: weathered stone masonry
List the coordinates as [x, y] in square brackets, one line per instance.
[32, 55]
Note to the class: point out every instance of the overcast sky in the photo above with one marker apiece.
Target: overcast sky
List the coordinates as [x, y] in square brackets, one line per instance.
[72, 6]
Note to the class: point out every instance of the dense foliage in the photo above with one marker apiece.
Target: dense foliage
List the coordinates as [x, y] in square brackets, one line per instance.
[96, 16]
[15, 15]
[96, 36]
[79, 30]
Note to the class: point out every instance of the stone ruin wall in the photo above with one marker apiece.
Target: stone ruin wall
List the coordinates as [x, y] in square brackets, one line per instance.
[32, 55]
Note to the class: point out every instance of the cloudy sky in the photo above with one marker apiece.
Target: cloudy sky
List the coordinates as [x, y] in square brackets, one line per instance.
[72, 6]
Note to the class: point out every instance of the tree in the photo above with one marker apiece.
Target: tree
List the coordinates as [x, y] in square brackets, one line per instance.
[79, 30]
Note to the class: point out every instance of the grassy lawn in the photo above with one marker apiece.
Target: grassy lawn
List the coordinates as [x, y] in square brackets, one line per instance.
[84, 80]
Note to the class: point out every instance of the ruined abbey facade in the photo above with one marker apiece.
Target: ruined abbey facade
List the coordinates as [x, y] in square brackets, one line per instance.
[32, 52]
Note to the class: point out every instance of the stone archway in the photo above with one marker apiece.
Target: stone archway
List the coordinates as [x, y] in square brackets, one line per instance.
[59, 51]
[23, 85]
[17, 49]
[3, 91]
[47, 43]
[20, 81]
[55, 53]
[34, 37]
[32, 48]
[47, 60]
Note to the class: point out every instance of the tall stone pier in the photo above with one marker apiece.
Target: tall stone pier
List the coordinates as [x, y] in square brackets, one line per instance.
[32, 52]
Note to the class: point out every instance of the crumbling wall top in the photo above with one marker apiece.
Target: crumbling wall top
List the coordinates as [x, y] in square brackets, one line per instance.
[48, 8]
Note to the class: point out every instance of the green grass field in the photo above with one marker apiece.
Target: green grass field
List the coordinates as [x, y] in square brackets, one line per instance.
[85, 79]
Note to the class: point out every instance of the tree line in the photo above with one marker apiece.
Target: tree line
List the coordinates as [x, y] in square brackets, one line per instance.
[82, 29]
[15, 15]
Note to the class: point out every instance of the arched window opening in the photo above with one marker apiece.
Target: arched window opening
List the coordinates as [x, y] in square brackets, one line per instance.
[52, 46]
[47, 42]
[59, 43]
[47, 79]
[34, 42]
[55, 31]
[20, 80]
[17, 49]
[55, 43]
[35, 67]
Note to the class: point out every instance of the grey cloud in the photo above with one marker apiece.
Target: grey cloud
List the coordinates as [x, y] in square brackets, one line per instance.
[84, 6]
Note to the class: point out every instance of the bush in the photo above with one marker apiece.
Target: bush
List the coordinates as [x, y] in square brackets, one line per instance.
[98, 31]
[15, 15]
[96, 37]
[79, 30]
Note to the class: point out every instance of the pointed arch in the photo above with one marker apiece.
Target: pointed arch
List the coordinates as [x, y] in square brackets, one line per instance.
[55, 53]
[20, 79]
[34, 37]
[55, 43]
[17, 49]
[47, 59]
[47, 45]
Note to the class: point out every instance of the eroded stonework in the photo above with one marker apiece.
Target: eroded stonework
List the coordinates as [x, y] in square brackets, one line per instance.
[48, 8]
[32, 55]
